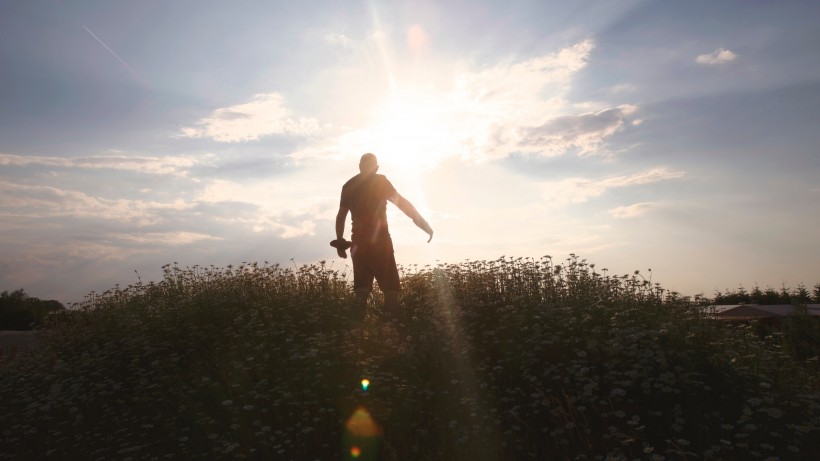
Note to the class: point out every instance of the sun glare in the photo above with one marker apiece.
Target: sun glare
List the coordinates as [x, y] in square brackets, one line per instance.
[410, 132]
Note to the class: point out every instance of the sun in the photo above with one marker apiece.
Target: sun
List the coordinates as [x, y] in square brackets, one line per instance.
[411, 131]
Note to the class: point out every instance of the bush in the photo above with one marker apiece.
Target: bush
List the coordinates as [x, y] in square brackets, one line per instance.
[506, 359]
[801, 334]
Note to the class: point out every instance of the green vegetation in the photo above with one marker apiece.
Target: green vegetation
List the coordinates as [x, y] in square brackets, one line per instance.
[507, 359]
[19, 311]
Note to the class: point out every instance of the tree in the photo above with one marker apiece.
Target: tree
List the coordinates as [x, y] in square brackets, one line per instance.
[770, 296]
[801, 294]
[19, 311]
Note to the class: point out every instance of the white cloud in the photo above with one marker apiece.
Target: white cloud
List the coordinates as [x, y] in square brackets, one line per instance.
[287, 210]
[47, 201]
[717, 57]
[631, 211]
[337, 39]
[485, 114]
[267, 114]
[583, 133]
[164, 238]
[579, 190]
[175, 166]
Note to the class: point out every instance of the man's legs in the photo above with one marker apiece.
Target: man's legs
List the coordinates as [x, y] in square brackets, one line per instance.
[361, 303]
[362, 279]
[377, 262]
[388, 278]
[391, 304]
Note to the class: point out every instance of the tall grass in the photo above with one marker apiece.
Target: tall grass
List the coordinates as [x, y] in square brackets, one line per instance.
[504, 359]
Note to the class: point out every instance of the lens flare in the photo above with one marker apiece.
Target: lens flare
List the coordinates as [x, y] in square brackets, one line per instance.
[361, 424]
[365, 384]
[362, 436]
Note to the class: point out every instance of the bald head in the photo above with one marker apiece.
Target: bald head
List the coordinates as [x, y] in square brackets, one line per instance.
[368, 163]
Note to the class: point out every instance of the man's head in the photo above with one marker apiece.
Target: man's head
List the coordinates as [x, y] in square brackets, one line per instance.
[368, 164]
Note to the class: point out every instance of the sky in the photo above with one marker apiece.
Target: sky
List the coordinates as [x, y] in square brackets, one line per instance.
[680, 137]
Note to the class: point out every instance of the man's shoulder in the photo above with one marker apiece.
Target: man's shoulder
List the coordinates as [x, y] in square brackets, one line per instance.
[352, 180]
[360, 177]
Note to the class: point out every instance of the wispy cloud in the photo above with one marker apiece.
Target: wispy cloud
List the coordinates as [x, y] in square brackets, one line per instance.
[338, 39]
[164, 238]
[286, 211]
[584, 134]
[717, 57]
[175, 166]
[47, 201]
[632, 211]
[579, 190]
[266, 115]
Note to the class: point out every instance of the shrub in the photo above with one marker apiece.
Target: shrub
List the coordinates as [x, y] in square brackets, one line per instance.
[505, 359]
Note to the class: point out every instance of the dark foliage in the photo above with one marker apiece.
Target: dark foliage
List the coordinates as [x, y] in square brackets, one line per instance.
[500, 360]
[19, 311]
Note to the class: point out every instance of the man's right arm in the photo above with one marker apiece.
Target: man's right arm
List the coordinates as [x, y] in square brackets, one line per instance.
[341, 217]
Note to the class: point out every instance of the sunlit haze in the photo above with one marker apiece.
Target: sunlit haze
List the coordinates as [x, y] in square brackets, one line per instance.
[676, 136]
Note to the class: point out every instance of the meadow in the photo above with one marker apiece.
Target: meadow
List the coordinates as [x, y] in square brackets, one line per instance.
[510, 359]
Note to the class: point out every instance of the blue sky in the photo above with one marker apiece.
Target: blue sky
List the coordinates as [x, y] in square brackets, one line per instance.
[676, 136]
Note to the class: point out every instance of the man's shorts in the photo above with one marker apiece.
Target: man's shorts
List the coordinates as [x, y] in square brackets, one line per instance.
[374, 261]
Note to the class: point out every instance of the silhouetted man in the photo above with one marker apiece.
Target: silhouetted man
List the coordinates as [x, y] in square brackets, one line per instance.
[365, 196]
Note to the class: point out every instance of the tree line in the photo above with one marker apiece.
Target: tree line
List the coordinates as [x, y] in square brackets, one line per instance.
[769, 296]
[19, 311]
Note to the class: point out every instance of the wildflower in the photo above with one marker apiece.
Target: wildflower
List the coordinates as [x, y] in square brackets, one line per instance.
[617, 392]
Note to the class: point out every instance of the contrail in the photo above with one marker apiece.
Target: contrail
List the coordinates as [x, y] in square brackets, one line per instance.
[113, 53]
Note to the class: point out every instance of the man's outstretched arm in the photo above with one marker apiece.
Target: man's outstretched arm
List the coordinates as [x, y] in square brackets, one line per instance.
[407, 208]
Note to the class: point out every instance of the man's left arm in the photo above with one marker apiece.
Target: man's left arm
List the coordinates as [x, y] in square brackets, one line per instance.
[407, 208]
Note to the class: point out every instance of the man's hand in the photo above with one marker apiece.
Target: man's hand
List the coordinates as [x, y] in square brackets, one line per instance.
[341, 245]
[422, 224]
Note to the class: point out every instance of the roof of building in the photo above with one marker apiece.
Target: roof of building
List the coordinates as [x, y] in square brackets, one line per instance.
[757, 311]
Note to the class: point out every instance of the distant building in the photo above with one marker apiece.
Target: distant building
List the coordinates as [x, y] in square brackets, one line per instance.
[744, 312]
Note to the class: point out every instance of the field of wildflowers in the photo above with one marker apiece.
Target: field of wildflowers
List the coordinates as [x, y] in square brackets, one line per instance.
[508, 359]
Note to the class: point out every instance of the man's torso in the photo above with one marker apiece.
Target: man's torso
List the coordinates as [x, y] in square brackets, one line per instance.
[366, 197]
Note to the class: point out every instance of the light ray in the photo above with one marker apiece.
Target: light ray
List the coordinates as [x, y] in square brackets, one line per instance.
[382, 47]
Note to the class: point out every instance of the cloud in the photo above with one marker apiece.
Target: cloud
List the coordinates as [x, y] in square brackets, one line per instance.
[483, 114]
[175, 166]
[579, 190]
[337, 39]
[164, 238]
[631, 211]
[717, 57]
[583, 133]
[266, 115]
[46, 201]
[288, 211]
